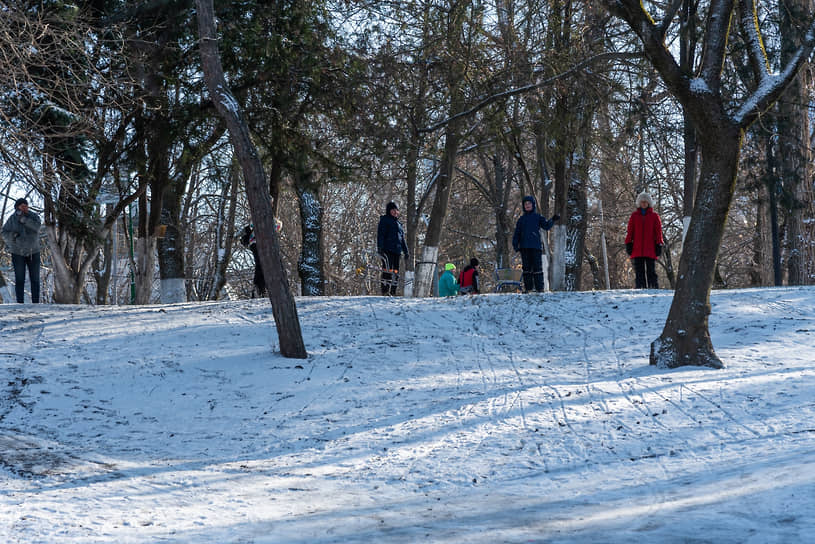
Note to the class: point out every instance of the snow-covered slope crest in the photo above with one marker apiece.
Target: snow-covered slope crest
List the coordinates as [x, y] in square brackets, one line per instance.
[497, 418]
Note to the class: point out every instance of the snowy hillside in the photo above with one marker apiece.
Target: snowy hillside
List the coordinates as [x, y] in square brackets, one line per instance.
[498, 418]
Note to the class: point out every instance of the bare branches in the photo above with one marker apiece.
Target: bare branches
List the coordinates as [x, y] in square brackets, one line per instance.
[602, 57]
[653, 40]
[55, 75]
[669, 15]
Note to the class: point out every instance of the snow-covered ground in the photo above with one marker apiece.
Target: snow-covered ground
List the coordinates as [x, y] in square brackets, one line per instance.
[489, 419]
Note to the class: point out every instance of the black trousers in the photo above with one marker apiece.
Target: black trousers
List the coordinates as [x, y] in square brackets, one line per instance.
[645, 273]
[532, 264]
[21, 263]
[390, 272]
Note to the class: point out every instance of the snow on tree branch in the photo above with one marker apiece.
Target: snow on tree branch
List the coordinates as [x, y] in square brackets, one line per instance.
[748, 22]
[715, 42]
[227, 100]
[772, 87]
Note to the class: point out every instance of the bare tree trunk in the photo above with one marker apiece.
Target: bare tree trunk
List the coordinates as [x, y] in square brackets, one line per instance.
[430, 253]
[795, 155]
[155, 134]
[685, 340]
[310, 263]
[170, 247]
[761, 265]
[687, 56]
[226, 235]
[771, 182]
[145, 257]
[500, 204]
[577, 202]
[455, 78]
[412, 212]
[103, 268]
[283, 307]
[561, 188]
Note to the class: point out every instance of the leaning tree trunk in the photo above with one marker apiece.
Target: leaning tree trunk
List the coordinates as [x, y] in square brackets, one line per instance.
[501, 189]
[430, 252]
[283, 307]
[685, 340]
[455, 78]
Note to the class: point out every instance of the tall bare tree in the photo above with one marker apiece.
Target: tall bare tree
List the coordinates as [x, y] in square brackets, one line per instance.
[458, 36]
[721, 119]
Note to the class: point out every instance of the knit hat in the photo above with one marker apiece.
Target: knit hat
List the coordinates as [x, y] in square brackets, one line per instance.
[473, 262]
[391, 206]
[20, 201]
[646, 197]
[449, 266]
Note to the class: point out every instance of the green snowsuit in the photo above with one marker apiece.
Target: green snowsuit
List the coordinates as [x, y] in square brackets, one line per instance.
[448, 285]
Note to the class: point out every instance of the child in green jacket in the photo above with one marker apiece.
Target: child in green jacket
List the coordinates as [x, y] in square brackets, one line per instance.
[448, 285]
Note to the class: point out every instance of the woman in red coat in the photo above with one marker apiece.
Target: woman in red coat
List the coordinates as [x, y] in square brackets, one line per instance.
[644, 242]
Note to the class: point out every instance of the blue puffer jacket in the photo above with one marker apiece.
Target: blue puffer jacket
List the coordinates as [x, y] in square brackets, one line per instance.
[527, 229]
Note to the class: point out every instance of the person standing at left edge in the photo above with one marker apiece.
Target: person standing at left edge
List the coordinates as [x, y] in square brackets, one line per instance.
[390, 244]
[22, 236]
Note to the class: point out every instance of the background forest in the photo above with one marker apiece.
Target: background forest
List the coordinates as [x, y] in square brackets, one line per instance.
[452, 109]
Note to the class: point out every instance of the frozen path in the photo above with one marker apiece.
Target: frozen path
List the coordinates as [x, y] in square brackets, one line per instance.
[489, 419]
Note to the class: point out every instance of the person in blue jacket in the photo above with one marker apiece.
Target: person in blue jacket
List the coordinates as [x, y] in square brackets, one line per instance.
[390, 244]
[527, 240]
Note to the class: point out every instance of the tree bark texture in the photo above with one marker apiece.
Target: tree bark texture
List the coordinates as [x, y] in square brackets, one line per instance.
[310, 263]
[685, 339]
[171, 246]
[795, 154]
[283, 306]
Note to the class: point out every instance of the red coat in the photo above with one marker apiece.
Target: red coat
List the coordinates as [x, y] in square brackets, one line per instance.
[645, 231]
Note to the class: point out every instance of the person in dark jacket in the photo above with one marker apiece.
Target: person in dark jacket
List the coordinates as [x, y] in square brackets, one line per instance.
[248, 240]
[390, 244]
[22, 236]
[643, 242]
[468, 278]
[527, 240]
